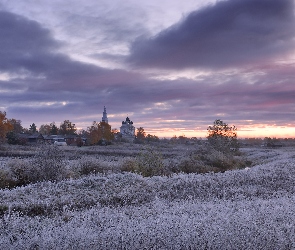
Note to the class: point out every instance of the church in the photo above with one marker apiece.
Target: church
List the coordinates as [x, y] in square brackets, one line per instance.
[127, 130]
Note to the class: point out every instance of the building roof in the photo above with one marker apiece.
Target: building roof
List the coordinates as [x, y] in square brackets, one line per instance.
[127, 121]
[31, 136]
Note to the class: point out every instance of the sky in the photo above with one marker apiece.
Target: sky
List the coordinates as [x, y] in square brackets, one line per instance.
[171, 66]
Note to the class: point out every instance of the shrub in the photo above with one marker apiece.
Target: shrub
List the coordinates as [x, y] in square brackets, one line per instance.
[219, 160]
[12, 138]
[129, 165]
[148, 163]
[79, 142]
[210, 160]
[20, 171]
[89, 165]
[6, 179]
[49, 164]
[195, 166]
[3, 209]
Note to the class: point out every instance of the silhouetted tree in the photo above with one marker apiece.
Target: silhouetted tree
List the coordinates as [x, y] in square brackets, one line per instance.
[173, 139]
[53, 129]
[83, 133]
[45, 129]
[182, 139]
[152, 138]
[12, 138]
[33, 128]
[140, 133]
[13, 135]
[17, 127]
[67, 128]
[222, 137]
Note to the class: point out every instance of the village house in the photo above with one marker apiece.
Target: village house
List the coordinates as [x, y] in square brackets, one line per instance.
[35, 138]
[62, 140]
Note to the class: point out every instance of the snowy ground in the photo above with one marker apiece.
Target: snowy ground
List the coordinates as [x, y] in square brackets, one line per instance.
[253, 208]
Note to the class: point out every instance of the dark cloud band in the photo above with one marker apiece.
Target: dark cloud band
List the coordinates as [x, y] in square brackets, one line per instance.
[228, 34]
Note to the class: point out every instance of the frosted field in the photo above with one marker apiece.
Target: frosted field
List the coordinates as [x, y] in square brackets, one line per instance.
[252, 208]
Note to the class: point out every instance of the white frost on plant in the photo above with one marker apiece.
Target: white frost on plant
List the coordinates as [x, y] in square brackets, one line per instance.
[252, 209]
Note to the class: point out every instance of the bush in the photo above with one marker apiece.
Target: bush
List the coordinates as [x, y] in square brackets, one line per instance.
[148, 163]
[129, 165]
[12, 138]
[210, 160]
[203, 160]
[3, 209]
[20, 171]
[89, 165]
[6, 179]
[220, 160]
[195, 166]
[49, 164]
[79, 142]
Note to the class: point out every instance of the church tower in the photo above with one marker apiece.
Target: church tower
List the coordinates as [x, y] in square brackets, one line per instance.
[104, 115]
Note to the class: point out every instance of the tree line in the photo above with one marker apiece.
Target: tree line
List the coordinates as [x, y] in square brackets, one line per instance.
[96, 133]
[10, 129]
[221, 136]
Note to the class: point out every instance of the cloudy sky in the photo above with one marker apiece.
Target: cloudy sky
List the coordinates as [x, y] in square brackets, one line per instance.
[172, 66]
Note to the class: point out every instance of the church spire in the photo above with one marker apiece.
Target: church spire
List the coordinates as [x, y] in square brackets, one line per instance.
[104, 115]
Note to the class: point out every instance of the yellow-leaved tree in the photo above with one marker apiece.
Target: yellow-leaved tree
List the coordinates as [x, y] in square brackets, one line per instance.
[5, 126]
[100, 131]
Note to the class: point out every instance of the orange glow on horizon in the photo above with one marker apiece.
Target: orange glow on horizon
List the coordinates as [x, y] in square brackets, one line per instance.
[258, 131]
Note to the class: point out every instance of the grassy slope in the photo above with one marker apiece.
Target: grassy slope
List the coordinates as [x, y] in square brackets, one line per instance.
[241, 209]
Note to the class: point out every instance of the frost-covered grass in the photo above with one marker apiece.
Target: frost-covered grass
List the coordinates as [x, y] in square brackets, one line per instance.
[252, 208]
[219, 224]
[58, 163]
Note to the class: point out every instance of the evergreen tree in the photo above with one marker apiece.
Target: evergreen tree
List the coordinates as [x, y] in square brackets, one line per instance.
[33, 128]
[53, 129]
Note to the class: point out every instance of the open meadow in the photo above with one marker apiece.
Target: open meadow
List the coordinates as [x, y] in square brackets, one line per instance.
[136, 196]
